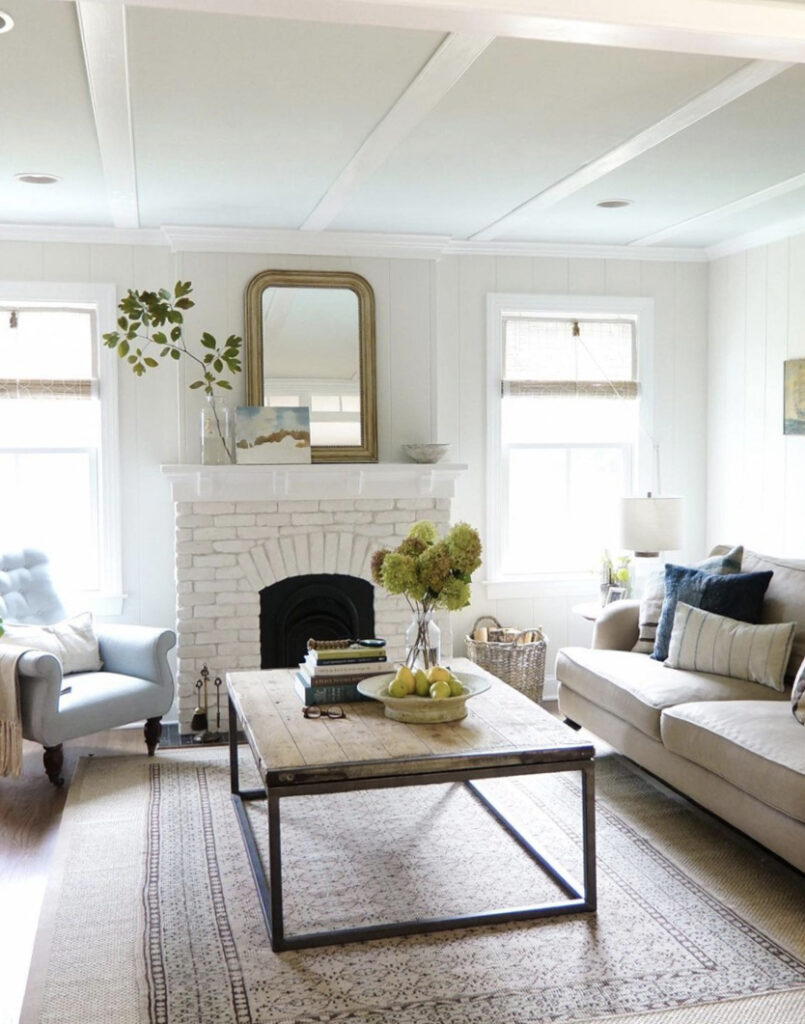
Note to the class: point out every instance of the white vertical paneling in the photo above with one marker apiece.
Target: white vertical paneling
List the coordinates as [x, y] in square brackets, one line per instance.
[409, 327]
[551, 276]
[794, 480]
[755, 366]
[447, 341]
[21, 261]
[756, 475]
[771, 527]
[514, 274]
[685, 469]
[477, 277]
[66, 262]
[587, 277]
[622, 277]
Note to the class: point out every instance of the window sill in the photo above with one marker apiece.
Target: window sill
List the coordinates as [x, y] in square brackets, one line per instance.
[545, 586]
[104, 605]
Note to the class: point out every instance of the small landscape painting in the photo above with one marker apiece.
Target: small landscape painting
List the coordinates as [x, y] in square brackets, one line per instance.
[794, 397]
[266, 434]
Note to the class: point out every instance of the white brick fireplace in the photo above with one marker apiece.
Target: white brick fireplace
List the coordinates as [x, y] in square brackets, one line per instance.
[241, 528]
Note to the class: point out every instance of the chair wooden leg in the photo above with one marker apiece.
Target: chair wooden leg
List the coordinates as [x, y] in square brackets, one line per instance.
[152, 730]
[53, 759]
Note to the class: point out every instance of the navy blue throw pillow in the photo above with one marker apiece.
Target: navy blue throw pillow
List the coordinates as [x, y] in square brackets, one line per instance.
[738, 596]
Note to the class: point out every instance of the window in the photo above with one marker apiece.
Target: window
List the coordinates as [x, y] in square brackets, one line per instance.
[565, 425]
[58, 437]
[335, 407]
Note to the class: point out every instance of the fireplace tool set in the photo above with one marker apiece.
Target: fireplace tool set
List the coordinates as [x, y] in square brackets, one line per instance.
[199, 723]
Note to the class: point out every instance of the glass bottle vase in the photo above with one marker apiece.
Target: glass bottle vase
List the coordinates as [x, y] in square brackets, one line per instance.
[423, 640]
[217, 434]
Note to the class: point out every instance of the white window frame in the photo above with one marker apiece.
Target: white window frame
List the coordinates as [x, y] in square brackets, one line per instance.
[641, 310]
[108, 600]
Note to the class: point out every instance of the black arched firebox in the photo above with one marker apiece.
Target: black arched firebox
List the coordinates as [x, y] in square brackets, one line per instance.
[325, 606]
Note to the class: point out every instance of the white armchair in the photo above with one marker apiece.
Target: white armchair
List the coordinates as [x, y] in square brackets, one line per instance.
[134, 683]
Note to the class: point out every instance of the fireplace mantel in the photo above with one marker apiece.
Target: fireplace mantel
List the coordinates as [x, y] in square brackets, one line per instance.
[300, 482]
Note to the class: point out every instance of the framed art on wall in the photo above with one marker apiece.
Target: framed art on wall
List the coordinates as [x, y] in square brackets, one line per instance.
[272, 434]
[794, 396]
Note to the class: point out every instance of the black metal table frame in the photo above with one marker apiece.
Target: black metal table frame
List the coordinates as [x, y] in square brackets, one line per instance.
[580, 899]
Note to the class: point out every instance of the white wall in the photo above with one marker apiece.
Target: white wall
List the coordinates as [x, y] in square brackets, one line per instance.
[756, 474]
[431, 345]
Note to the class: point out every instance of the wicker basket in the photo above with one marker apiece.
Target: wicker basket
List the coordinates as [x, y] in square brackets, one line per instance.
[506, 655]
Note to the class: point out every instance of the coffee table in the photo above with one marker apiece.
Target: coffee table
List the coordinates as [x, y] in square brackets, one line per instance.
[504, 734]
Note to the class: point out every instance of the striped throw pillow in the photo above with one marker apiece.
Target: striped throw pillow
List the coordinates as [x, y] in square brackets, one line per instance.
[705, 642]
[798, 695]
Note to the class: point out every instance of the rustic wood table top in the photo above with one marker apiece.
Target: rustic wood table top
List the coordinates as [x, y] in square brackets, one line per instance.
[502, 727]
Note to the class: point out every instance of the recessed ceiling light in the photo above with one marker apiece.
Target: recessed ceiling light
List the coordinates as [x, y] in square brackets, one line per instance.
[35, 178]
[6, 22]
[614, 204]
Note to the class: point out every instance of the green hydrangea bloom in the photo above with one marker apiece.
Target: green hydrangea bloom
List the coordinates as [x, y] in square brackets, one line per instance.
[425, 531]
[434, 567]
[376, 565]
[400, 576]
[464, 546]
[455, 594]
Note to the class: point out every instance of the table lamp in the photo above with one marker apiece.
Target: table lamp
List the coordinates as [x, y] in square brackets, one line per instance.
[649, 526]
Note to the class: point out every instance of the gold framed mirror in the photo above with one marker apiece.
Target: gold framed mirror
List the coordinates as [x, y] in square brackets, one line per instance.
[310, 340]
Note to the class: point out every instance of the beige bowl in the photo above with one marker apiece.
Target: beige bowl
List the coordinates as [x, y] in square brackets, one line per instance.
[415, 709]
[426, 452]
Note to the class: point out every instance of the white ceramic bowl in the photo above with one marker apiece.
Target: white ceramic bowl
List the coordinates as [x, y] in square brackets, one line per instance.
[426, 452]
[423, 709]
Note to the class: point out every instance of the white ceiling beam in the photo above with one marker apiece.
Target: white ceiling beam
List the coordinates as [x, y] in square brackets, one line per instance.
[103, 36]
[751, 29]
[450, 61]
[731, 88]
[747, 202]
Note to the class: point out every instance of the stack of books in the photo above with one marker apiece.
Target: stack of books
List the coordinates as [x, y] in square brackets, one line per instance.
[330, 674]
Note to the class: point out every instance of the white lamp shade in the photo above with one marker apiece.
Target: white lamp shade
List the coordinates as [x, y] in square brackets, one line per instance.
[650, 525]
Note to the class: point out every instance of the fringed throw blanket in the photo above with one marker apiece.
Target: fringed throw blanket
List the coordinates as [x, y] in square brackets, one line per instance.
[10, 720]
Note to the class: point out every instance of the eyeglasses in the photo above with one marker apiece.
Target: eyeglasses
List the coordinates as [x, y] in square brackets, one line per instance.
[318, 711]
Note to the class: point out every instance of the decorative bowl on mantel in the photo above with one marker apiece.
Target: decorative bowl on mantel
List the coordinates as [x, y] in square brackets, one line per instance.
[426, 452]
[422, 710]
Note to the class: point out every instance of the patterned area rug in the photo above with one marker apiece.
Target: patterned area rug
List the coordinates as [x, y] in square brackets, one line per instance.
[151, 915]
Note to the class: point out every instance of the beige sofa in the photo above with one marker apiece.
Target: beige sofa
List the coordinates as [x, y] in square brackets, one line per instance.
[732, 746]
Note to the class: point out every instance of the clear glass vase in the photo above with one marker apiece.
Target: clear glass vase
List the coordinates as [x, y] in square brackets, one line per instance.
[217, 433]
[423, 640]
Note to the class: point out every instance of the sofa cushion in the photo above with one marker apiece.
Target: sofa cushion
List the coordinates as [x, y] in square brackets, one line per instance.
[755, 745]
[636, 688]
[704, 642]
[739, 596]
[785, 598]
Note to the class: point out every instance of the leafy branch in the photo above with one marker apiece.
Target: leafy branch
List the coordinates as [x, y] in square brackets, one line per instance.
[151, 328]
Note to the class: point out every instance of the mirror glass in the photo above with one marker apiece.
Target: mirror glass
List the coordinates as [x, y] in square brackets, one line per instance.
[310, 342]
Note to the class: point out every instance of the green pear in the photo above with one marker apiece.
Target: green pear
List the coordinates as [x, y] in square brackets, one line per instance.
[456, 688]
[398, 687]
[421, 683]
[440, 689]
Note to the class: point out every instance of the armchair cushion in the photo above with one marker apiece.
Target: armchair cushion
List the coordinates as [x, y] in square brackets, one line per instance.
[72, 641]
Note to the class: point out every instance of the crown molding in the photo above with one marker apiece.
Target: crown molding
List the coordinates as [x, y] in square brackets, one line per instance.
[80, 235]
[303, 243]
[576, 250]
[336, 243]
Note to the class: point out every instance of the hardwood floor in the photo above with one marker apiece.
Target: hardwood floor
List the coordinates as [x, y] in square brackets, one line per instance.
[30, 812]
